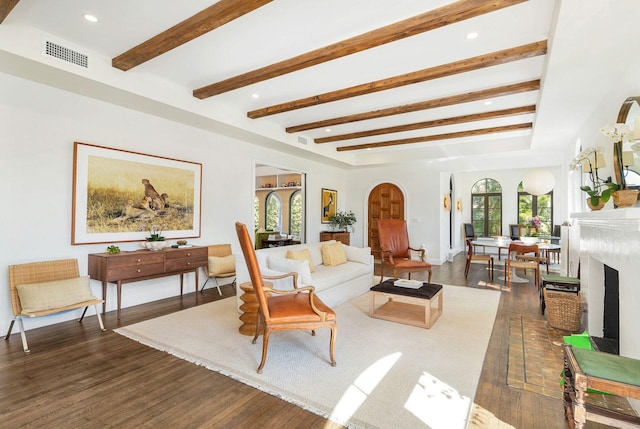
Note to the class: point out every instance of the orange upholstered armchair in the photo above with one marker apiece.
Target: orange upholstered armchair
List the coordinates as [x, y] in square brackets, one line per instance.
[395, 251]
[299, 308]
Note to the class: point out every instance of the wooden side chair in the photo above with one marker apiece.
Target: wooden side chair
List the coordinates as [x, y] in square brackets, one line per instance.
[48, 287]
[298, 309]
[473, 257]
[395, 251]
[221, 264]
[514, 260]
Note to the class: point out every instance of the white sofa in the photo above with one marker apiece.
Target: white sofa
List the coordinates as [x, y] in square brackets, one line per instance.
[333, 284]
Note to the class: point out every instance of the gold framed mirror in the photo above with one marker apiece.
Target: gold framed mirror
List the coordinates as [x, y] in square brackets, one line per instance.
[629, 111]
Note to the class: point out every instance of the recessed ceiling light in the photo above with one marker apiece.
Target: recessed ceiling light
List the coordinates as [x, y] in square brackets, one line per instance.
[90, 18]
[472, 35]
[255, 95]
[328, 130]
[488, 102]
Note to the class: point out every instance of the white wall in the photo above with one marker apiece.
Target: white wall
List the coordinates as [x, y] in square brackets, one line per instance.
[39, 125]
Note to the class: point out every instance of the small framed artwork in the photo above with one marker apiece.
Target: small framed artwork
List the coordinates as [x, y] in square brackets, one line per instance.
[120, 195]
[329, 202]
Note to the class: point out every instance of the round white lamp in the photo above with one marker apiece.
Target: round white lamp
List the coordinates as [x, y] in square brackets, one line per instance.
[538, 182]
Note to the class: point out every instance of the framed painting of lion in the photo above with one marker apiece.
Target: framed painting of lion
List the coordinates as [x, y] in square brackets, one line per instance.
[119, 195]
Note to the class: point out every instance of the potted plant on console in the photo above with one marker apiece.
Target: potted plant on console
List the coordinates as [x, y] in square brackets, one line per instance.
[343, 221]
[589, 161]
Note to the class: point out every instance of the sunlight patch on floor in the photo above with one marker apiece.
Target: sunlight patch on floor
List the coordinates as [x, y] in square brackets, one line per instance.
[481, 418]
[437, 404]
[362, 387]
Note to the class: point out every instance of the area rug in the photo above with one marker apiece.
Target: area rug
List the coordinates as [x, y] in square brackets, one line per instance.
[388, 375]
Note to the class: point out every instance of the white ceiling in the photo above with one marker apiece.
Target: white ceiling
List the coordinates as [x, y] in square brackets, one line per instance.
[584, 38]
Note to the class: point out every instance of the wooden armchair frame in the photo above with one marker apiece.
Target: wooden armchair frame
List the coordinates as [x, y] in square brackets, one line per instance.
[298, 309]
[395, 251]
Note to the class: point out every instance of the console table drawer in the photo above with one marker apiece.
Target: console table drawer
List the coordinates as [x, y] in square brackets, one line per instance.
[138, 258]
[185, 264]
[189, 253]
[134, 271]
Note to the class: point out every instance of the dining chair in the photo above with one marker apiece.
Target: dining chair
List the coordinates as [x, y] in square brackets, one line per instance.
[297, 309]
[395, 251]
[473, 257]
[469, 231]
[513, 261]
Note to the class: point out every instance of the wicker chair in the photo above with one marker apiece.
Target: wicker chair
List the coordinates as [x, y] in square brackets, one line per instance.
[45, 282]
[564, 310]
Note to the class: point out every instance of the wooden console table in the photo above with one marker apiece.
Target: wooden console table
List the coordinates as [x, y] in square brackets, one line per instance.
[591, 369]
[343, 237]
[127, 267]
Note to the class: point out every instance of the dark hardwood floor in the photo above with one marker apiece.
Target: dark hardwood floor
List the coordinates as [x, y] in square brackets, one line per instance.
[77, 376]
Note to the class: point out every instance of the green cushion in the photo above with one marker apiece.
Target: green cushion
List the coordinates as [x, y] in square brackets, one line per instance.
[54, 294]
[553, 278]
[608, 366]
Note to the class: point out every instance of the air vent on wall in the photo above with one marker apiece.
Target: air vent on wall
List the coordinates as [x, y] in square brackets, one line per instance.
[56, 50]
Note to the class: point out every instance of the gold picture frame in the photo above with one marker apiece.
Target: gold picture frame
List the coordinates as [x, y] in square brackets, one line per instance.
[329, 204]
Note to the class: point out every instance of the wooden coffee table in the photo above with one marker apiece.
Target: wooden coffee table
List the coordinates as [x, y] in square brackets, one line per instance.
[417, 307]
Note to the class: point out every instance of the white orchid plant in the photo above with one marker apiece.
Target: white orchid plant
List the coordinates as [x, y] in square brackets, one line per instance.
[602, 189]
[617, 135]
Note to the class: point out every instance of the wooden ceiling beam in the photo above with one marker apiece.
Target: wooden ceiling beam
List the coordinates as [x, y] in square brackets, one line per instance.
[499, 91]
[434, 123]
[448, 14]
[201, 23]
[459, 134]
[463, 66]
[6, 6]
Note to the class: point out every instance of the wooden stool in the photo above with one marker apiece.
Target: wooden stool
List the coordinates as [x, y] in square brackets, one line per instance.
[590, 369]
[249, 308]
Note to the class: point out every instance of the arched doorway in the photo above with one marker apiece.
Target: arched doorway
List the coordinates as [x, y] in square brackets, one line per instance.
[386, 201]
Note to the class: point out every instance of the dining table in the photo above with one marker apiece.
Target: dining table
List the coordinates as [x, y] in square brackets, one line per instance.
[503, 243]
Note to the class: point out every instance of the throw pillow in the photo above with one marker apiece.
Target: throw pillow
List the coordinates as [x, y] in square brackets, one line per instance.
[300, 255]
[286, 265]
[54, 294]
[358, 254]
[222, 264]
[333, 254]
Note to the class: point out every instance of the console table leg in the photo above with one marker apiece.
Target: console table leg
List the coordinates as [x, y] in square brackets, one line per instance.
[119, 297]
[181, 278]
[196, 271]
[104, 297]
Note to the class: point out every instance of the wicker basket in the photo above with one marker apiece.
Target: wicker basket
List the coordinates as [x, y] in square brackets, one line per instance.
[564, 310]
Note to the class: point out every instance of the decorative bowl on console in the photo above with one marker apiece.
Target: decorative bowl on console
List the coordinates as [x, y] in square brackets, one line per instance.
[155, 245]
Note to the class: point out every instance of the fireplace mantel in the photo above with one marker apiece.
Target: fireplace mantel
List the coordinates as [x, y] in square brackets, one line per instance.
[612, 237]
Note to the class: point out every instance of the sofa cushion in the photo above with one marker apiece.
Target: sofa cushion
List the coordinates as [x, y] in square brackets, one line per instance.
[287, 265]
[328, 277]
[333, 254]
[358, 254]
[301, 255]
[54, 294]
[222, 264]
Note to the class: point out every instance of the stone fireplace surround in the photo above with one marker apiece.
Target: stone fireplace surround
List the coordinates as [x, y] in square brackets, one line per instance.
[610, 237]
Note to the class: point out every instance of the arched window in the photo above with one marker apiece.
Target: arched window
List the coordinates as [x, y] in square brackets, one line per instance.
[486, 207]
[295, 214]
[273, 219]
[536, 205]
